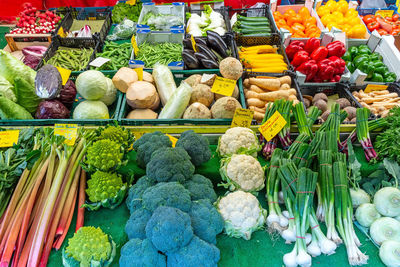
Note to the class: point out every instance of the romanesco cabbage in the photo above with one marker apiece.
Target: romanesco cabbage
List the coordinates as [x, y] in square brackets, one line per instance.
[117, 134]
[104, 155]
[147, 144]
[196, 145]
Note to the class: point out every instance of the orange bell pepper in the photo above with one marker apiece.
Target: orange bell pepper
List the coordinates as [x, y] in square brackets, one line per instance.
[311, 20]
[293, 19]
[298, 27]
[304, 13]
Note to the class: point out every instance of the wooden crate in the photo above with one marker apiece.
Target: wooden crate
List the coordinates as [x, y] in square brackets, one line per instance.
[18, 41]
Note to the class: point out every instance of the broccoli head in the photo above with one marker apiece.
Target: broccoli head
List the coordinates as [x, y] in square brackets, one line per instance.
[207, 223]
[201, 187]
[170, 165]
[134, 200]
[136, 225]
[196, 145]
[141, 253]
[171, 194]
[118, 134]
[169, 229]
[147, 144]
[104, 155]
[196, 253]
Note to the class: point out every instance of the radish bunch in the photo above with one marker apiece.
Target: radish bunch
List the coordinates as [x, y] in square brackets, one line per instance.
[32, 21]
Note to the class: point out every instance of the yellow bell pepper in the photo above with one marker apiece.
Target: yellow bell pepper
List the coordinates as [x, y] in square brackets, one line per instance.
[322, 11]
[357, 32]
[351, 13]
[331, 5]
[342, 6]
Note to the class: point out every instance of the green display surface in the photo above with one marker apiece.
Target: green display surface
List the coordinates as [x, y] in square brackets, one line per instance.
[262, 250]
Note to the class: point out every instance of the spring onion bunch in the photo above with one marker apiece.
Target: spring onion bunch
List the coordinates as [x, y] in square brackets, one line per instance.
[312, 115]
[268, 147]
[363, 133]
[284, 107]
[302, 120]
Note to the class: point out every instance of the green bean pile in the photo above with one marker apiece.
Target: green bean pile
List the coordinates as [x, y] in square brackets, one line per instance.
[119, 55]
[71, 59]
[163, 53]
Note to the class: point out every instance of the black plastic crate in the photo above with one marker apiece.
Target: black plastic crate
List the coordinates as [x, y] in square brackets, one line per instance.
[264, 11]
[87, 13]
[56, 43]
[340, 89]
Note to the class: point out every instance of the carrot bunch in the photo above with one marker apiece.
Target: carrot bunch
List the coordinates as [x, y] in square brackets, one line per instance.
[262, 58]
[301, 24]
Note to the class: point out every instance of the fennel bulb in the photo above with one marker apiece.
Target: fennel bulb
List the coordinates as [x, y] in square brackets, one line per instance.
[385, 228]
[366, 214]
[387, 201]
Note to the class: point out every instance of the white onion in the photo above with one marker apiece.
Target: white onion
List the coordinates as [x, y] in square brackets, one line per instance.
[289, 259]
[359, 197]
[313, 249]
[303, 259]
[389, 253]
[387, 201]
[385, 228]
[366, 214]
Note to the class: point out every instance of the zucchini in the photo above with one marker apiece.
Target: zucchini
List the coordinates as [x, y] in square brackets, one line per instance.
[252, 24]
[254, 19]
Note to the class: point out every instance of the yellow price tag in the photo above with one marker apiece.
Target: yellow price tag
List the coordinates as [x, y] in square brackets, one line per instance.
[242, 118]
[139, 72]
[193, 43]
[173, 139]
[223, 86]
[375, 87]
[69, 131]
[131, 2]
[384, 13]
[61, 32]
[64, 74]
[134, 45]
[9, 138]
[272, 126]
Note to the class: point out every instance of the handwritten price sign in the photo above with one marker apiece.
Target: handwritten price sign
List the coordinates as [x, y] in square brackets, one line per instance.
[223, 86]
[272, 126]
[242, 118]
[9, 138]
[69, 131]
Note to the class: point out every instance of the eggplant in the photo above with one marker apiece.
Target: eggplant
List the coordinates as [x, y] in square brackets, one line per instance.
[187, 43]
[217, 36]
[201, 41]
[218, 45]
[205, 50]
[201, 56]
[190, 60]
[209, 64]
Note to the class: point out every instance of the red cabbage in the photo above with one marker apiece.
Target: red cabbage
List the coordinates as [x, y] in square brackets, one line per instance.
[52, 109]
[68, 94]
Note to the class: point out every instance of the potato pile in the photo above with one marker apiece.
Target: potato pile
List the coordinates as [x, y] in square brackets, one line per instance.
[204, 104]
[320, 101]
[378, 102]
[261, 91]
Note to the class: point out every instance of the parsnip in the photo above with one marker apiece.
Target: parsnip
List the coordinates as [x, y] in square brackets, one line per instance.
[281, 94]
[256, 89]
[256, 102]
[285, 86]
[267, 84]
[246, 83]
[252, 94]
[258, 116]
[285, 80]
[261, 110]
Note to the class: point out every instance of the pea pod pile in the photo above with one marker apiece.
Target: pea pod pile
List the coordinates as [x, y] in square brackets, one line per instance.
[71, 59]
[362, 58]
[252, 26]
[119, 55]
[163, 53]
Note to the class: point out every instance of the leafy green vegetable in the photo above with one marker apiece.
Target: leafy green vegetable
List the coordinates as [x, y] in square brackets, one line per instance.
[7, 89]
[25, 96]
[12, 111]
[124, 10]
[354, 166]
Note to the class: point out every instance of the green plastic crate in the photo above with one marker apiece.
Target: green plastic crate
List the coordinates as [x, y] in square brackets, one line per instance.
[113, 110]
[3, 31]
[179, 76]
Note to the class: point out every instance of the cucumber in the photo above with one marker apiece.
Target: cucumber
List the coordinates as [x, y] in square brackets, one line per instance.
[254, 24]
[252, 19]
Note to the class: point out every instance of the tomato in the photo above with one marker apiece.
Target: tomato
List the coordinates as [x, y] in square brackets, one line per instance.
[395, 32]
[388, 18]
[395, 17]
[373, 26]
[382, 32]
[368, 19]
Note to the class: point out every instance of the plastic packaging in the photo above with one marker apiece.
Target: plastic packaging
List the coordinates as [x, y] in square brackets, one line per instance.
[123, 31]
[165, 82]
[177, 103]
[373, 4]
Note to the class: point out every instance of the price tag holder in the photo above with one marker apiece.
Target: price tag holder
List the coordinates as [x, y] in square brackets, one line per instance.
[223, 86]
[139, 72]
[375, 87]
[98, 62]
[193, 43]
[384, 13]
[69, 131]
[64, 74]
[134, 45]
[173, 139]
[242, 118]
[131, 2]
[272, 126]
[9, 138]
[61, 32]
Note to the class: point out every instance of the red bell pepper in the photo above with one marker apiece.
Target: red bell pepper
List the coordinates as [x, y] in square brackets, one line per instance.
[326, 70]
[299, 58]
[308, 68]
[320, 53]
[293, 48]
[336, 48]
[312, 44]
[373, 26]
[340, 64]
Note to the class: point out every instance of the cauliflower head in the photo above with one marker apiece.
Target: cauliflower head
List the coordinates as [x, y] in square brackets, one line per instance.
[169, 229]
[170, 194]
[136, 225]
[170, 165]
[207, 223]
[242, 172]
[238, 140]
[201, 187]
[196, 145]
[117, 134]
[196, 253]
[142, 253]
[242, 214]
[89, 246]
[104, 155]
[147, 144]
[134, 199]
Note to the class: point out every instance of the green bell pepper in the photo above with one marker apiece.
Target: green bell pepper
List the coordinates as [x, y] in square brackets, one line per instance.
[375, 56]
[360, 59]
[367, 68]
[390, 77]
[347, 56]
[364, 49]
[353, 51]
[376, 77]
[377, 63]
[382, 70]
[350, 66]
